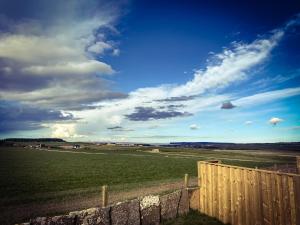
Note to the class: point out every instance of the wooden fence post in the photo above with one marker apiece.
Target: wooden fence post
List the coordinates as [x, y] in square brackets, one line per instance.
[298, 164]
[186, 180]
[104, 196]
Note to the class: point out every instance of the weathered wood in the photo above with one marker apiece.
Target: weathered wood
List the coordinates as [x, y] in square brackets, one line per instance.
[298, 164]
[232, 196]
[221, 194]
[210, 190]
[216, 191]
[286, 201]
[297, 198]
[292, 200]
[186, 180]
[226, 195]
[270, 200]
[246, 196]
[104, 196]
[280, 200]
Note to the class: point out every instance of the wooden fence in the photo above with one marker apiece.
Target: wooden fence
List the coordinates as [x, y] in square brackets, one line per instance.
[245, 196]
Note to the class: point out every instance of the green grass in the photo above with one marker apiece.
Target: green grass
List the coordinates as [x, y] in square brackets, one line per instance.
[193, 218]
[33, 176]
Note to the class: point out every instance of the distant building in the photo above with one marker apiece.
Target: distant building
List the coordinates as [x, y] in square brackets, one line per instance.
[76, 146]
[155, 150]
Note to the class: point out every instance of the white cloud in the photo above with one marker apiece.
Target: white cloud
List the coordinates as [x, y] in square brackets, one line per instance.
[116, 52]
[53, 53]
[265, 97]
[275, 120]
[38, 49]
[194, 127]
[99, 47]
[249, 122]
[231, 66]
[71, 68]
[64, 131]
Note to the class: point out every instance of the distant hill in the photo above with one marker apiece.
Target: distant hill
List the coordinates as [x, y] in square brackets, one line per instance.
[33, 140]
[293, 146]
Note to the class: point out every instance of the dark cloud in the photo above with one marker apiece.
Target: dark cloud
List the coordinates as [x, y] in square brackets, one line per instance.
[65, 92]
[227, 105]
[177, 99]
[119, 128]
[175, 106]
[114, 128]
[149, 113]
[15, 116]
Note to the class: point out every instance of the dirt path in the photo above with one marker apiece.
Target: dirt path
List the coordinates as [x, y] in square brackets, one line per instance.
[22, 213]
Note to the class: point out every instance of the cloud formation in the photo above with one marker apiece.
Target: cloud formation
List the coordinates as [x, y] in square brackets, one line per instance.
[227, 105]
[194, 127]
[148, 113]
[45, 60]
[274, 120]
[249, 122]
[15, 116]
[201, 93]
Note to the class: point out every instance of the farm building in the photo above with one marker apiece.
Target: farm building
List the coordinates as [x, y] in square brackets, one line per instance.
[76, 146]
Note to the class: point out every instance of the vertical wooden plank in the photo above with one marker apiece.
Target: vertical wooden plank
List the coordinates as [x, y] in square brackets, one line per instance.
[204, 185]
[226, 195]
[232, 197]
[248, 198]
[298, 164]
[210, 189]
[280, 199]
[264, 199]
[216, 191]
[297, 198]
[274, 199]
[252, 205]
[236, 196]
[270, 198]
[200, 185]
[286, 201]
[292, 200]
[220, 193]
[239, 207]
[255, 200]
[207, 188]
[259, 197]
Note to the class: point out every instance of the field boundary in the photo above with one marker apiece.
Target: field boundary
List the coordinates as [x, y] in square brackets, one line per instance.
[246, 196]
[151, 209]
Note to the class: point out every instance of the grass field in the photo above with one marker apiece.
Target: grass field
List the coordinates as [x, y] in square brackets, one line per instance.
[30, 176]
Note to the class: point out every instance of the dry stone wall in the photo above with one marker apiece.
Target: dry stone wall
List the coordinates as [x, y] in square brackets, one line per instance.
[148, 210]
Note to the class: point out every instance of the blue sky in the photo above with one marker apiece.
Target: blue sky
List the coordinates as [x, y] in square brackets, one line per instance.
[150, 71]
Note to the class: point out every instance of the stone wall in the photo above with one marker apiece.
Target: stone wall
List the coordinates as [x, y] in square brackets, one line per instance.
[148, 210]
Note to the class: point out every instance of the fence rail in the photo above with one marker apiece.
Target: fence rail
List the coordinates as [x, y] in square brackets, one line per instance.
[245, 196]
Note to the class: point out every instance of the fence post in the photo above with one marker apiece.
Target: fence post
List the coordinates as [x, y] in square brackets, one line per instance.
[298, 164]
[186, 180]
[104, 196]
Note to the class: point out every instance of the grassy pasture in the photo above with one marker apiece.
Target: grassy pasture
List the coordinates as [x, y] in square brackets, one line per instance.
[29, 176]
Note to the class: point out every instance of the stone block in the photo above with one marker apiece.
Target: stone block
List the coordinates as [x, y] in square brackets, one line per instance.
[92, 216]
[126, 213]
[150, 210]
[55, 220]
[184, 202]
[169, 205]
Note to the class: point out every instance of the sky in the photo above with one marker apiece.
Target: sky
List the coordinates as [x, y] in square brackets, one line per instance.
[150, 71]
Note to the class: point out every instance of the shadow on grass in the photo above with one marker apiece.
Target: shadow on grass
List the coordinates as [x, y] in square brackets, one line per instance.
[193, 218]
